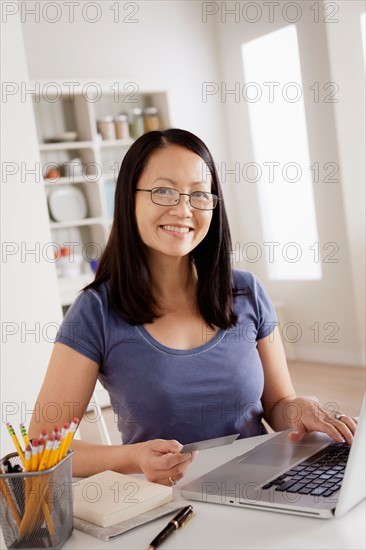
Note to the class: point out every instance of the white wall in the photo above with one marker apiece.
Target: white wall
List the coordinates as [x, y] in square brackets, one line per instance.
[346, 61]
[30, 308]
[339, 297]
[169, 44]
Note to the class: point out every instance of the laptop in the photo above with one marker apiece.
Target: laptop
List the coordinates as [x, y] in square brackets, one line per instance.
[315, 477]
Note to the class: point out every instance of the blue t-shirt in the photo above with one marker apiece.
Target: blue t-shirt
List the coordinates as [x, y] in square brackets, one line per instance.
[159, 392]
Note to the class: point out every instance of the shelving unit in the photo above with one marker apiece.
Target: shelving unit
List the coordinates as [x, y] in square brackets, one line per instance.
[74, 111]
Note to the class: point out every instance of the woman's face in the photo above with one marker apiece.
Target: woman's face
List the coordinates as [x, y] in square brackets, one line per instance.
[173, 230]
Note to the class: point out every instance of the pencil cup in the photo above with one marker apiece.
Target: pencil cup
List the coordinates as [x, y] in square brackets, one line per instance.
[36, 507]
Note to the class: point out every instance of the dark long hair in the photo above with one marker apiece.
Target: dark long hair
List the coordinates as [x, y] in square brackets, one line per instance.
[124, 261]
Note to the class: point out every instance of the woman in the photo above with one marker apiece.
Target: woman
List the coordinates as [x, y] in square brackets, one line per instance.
[187, 349]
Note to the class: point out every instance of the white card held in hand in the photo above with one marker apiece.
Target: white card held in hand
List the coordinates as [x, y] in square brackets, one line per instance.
[209, 443]
[108, 498]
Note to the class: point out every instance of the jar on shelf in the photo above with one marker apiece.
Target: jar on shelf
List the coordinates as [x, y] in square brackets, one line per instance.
[136, 122]
[68, 265]
[151, 119]
[106, 127]
[121, 126]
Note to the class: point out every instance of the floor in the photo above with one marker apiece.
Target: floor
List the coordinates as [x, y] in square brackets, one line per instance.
[341, 387]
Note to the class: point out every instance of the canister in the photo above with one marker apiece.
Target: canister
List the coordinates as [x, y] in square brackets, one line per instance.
[151, 119]
[136, 122]
[106, 127]
[121, 126]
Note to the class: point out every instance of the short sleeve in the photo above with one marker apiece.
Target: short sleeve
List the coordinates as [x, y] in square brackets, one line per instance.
[267, 318]
[82, 328]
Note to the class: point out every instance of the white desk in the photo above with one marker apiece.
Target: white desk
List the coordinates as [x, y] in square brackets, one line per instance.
[215, 526]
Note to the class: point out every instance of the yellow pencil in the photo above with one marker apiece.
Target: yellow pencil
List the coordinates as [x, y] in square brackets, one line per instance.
[70, 435]
[56, 448]
[64, 432]
[23, 431]
[34, 459]
[4, 489]
[46, 453]
[16, 442]
[28, 456]
[40, 449]
[53, 453]
[43, 434]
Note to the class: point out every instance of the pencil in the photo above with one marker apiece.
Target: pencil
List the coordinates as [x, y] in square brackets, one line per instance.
[49, 521]
[56, 447]
[46, 453]
[4, 489]
[34, 459]
[23, 431]
[40, 449]
[28, 456]
[15, 441]
[43, 435]
[70, 435]
[53, 452]
[64, 433]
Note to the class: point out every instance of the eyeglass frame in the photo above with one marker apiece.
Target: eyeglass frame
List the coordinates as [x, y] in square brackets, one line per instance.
[180, 194]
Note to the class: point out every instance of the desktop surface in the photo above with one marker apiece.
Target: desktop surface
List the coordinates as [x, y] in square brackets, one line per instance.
[216, 526]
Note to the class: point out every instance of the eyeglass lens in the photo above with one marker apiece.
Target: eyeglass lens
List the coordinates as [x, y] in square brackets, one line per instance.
[167, 196]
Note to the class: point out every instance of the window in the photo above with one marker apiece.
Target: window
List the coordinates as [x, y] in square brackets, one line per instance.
[363, 25]
[279, 135]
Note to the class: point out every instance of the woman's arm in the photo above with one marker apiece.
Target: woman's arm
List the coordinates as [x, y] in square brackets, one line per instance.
[283, 410]
[66, 391]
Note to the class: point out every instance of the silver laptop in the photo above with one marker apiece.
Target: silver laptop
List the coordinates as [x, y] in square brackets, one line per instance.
[315, 477]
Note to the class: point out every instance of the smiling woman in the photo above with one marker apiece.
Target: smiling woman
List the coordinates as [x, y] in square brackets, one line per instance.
[142, 228]
[186, 348]
[179, 227]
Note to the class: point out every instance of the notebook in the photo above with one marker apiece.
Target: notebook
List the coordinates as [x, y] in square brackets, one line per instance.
[315, 477]
[108, 498]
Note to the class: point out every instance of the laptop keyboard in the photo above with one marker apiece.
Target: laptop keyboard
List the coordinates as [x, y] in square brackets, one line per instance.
[321, 474]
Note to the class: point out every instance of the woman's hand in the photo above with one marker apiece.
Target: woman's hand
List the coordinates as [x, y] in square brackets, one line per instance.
[306, 414]
[161, 461]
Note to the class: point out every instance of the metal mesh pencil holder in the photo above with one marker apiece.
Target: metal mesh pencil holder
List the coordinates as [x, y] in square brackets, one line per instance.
[36, 507]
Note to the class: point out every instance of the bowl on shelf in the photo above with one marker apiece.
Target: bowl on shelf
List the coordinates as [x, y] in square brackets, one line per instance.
[67, 203]
[64, 137]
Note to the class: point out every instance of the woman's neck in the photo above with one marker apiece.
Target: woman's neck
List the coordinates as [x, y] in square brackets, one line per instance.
[174, 280]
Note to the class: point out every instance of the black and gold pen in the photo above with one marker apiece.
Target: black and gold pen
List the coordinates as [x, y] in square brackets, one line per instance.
[179, 520]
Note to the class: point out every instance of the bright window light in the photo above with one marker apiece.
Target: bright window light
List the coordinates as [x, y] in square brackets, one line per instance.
[363, 25]
[280, 144]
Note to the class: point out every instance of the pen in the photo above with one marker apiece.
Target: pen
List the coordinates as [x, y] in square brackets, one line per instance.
[179, 520]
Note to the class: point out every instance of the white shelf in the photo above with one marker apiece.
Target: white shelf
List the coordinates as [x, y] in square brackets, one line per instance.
[68, 181]
[104, 144]
[70, 286]
[77, 223]
[62, 145]
[75, 114]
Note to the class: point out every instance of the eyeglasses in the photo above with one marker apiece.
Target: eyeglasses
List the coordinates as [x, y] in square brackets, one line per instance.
[166, 196]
